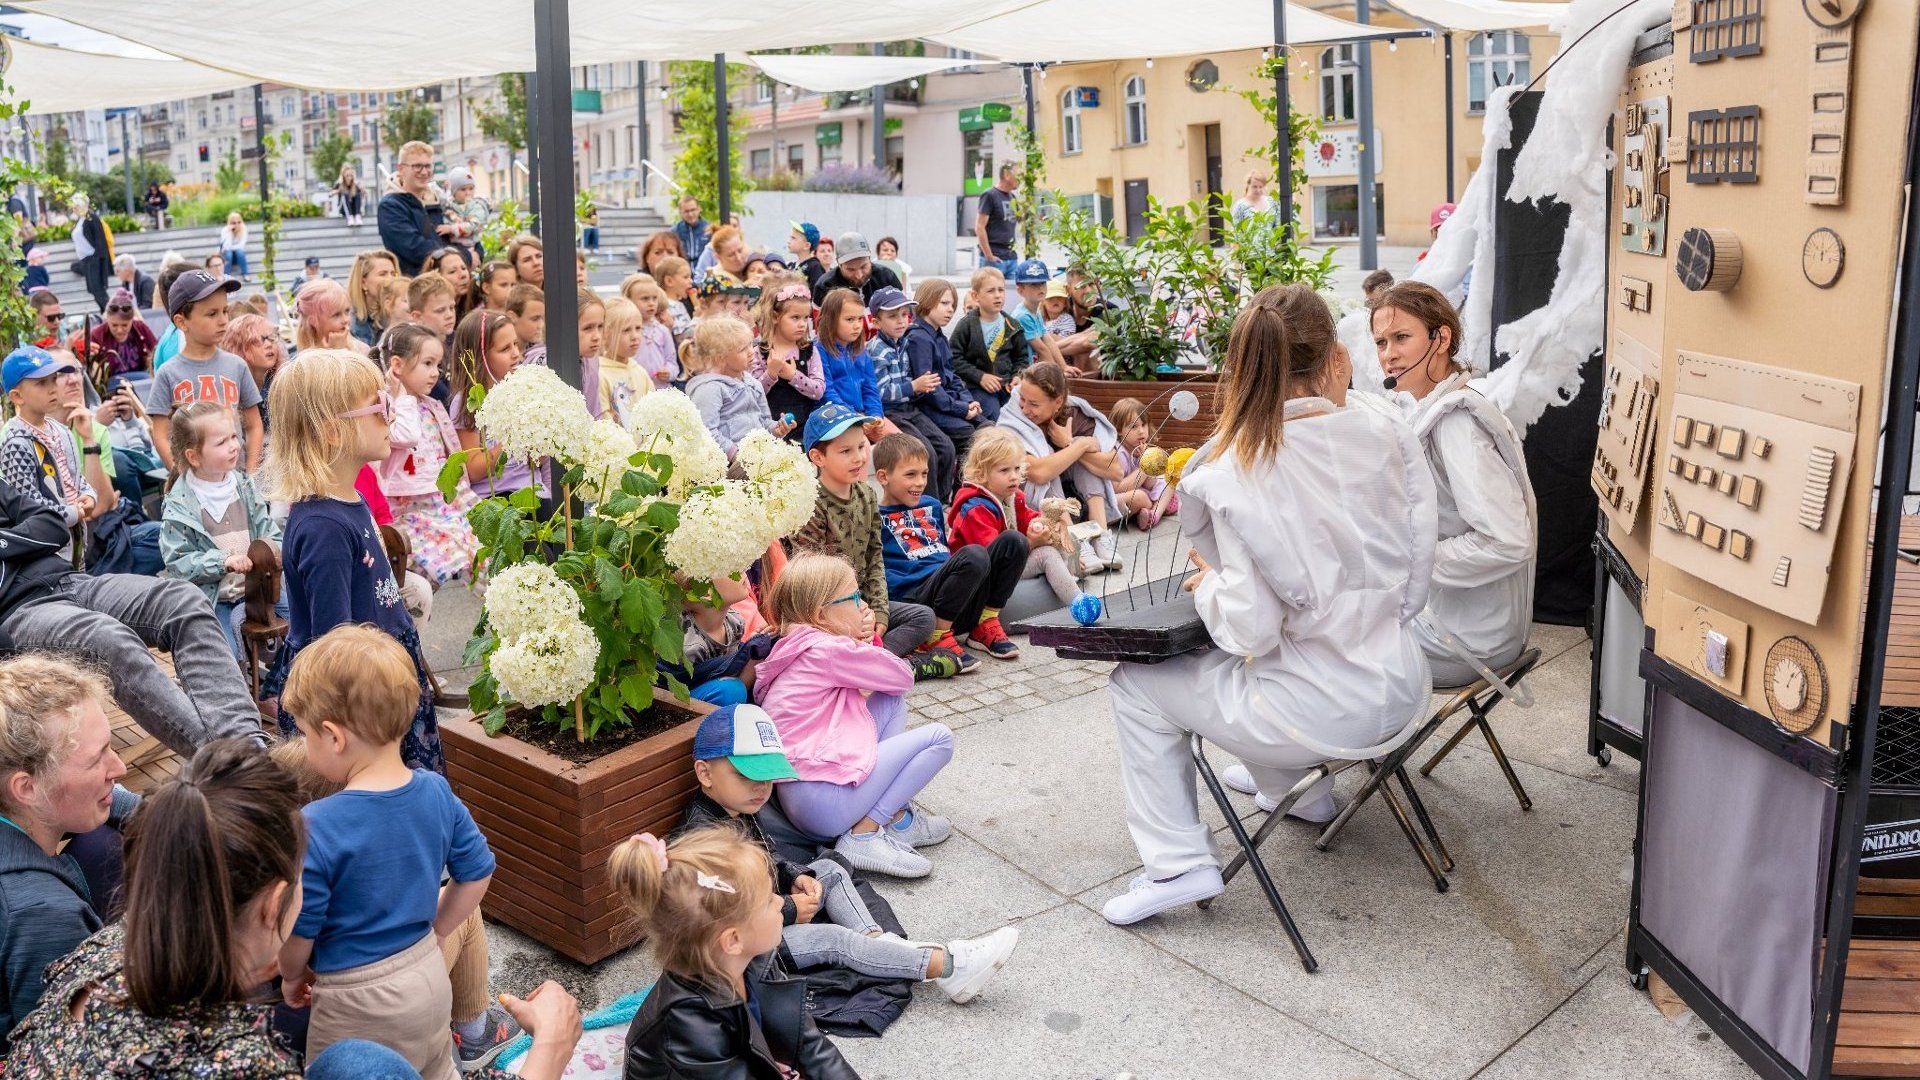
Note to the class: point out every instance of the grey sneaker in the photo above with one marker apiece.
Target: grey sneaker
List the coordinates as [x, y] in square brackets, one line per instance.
[501, 1029]
[975, 962]
[920, 829]
[879, 853]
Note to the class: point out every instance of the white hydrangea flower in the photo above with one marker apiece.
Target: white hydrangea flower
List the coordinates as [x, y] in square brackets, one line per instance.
[666, 422]
[721, 532]
[549, 665]
[529, 596]
[779, 474]
[531, 414]
[607, 449]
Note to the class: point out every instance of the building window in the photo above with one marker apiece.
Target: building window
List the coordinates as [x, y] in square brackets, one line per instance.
[1203, 76]
[1134, 101]
[1339, 83]
[1495, 59]
[760, 162]
[762, 91]
[356, 134]
[286, 106]
[897, 156]
[1070, 122]
[203, 119]
[796, 158]
[1336, 210]
[829, 154]
[354, 100]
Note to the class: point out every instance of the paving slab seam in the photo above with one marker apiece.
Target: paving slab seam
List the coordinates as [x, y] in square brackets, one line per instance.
[1469, 748]
[1551, 1013]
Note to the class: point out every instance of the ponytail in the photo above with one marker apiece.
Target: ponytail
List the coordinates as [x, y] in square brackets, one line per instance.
[199, 851]
[684, 895]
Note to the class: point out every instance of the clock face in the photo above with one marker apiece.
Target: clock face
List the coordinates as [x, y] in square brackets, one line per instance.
[1795, 683]
[1790, 685]
[1832, 14]
[1822, 257]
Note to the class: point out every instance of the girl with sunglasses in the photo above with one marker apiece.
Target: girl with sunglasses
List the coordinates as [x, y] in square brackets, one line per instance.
[331, 414]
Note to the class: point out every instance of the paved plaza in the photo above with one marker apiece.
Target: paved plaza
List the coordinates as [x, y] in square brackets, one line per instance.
[1514, 973]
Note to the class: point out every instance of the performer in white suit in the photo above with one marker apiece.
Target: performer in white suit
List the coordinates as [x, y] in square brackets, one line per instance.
[1313, 529]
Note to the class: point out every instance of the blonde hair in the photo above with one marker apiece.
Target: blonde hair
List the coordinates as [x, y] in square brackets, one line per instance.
[426, 287]
[804, 589]
[992, 447]
[620, 314]
[314, 300]
[188, 433]
[982, 276]
[766, 310]
[671, 265]
[356, 281]
[358, 677]
[36, 691]
[683, 917]
[716, 336]
[633, 283]
[394, 288]
[291, 755]
[307, 435]
[412, 147]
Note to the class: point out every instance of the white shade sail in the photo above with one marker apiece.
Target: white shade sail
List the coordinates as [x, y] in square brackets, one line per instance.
[55, 80]
[827, 73]
[1479, 14]
[1075, 31]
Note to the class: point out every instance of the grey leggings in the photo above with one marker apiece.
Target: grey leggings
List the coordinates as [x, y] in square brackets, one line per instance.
[1048, 561]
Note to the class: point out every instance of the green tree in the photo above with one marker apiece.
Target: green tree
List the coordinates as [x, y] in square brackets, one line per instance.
[228, 176]
[410, 119]
[1302, 128]
[329, 155]
[691, 96]
[271, 209]
[54, 155]
[507, 122]
[1027, 209]
[17, 320]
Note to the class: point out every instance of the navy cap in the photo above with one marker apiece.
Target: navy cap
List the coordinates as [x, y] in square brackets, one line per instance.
[830, 421]
[744, 735]
[194, 286]
[313, 260]
[887, 298]
[31, 362]
[1031, 272]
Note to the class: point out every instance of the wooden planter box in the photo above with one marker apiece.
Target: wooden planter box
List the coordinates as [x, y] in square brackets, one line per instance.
[552, 824]
[1102, 393]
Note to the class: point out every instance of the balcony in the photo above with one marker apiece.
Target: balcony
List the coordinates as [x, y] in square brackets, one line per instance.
[900, 93]
[155, 116]
[155, 144]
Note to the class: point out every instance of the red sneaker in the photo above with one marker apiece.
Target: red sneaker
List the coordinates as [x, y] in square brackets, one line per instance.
[945, 643]
[992, 638]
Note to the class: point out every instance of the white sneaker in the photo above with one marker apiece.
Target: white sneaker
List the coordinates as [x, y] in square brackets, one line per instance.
[1146, 897]
[1313, 809]
[878, 853]
[1103, 546]
[921, 829]
[1091, 561]
[975, 961]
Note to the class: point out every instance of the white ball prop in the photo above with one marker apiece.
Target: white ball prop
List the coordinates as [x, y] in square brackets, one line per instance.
[1183, 405]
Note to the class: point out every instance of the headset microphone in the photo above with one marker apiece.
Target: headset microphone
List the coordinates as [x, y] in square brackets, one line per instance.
[1392, 381]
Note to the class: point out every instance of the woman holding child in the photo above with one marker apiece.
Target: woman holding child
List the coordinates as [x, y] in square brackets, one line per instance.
[1314, 653]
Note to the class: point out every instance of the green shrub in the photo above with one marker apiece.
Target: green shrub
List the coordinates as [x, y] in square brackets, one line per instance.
[213, 209]
[118, 222]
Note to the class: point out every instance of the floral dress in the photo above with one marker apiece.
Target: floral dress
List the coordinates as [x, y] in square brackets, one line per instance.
[443, 543]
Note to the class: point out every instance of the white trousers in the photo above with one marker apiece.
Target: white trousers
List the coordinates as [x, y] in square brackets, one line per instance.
[1155, 708]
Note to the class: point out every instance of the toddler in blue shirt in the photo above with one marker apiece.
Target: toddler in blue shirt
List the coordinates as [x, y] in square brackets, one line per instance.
[365, 950]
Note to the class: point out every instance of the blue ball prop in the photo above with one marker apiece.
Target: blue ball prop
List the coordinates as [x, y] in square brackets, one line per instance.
[1086, 609]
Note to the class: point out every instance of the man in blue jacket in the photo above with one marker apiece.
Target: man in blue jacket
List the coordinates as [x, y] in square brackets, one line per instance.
[409, 227]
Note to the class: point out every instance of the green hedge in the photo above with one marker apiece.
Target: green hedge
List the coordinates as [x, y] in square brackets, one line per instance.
[119, 223]
[214, 209]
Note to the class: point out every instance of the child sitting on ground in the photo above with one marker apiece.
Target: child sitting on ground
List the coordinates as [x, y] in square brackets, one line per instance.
[212, 516]
[966, 587]
[528, 308]
[730, 400]
[706, 902]
[676, 283]
[621, 380]
[366, 946]
[716, 671]
[839, 705]
[1059, 309]
[496, 280]
[423, 439]
[785, 361]
[1145, 499]
[656, 339]
[737, 756]
[846, 523]
[851, 380]
[990, 505]
[989, 346]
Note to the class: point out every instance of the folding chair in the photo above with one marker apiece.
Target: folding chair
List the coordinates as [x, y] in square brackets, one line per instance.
[1479, 699]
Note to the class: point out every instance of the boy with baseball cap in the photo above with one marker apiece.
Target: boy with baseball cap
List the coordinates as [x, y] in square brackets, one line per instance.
[737, 757]
[1030, 278]
[38, 455]
[803, 243]
[202, 370]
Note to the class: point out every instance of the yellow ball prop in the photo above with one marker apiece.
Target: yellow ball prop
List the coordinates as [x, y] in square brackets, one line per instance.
[1153, 462]
[1177, 464]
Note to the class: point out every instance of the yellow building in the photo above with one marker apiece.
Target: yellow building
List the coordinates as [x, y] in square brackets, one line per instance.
[1173, 127]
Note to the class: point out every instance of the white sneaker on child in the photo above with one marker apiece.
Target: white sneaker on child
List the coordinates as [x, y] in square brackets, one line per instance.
[1091, 561]
[975, 961]
[879, 853]
[1103, 546]
[920, 829]
[1312, 809]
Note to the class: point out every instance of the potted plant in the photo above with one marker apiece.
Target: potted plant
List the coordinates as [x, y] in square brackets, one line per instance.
[582, 729]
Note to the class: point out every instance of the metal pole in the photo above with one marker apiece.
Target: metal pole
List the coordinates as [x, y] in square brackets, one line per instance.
[260, 139]
[555, 199]
[1283, 121]
[1369, 227]
[640, 136]
[533, 145]
[378, 186]
[126, 160]
[1026, 87]
[722, 138]
[879, 118]
[1448, 53]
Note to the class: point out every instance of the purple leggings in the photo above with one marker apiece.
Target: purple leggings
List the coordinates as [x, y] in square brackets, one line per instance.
[905, 762]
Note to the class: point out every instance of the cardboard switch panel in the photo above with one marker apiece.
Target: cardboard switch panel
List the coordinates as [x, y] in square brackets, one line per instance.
[1711, 644]
[1784, 506]
[1625, 451]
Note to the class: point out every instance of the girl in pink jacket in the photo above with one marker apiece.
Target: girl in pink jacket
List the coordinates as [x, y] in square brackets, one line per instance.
[839, 703]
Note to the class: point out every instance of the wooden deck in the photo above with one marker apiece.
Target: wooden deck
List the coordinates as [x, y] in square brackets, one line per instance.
[149, 762]
[1879, 1031]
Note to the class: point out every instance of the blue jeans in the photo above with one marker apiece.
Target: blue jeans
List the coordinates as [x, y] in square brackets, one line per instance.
[232, 614]
[590, 237]
[146, 548]
[234, 260]
[359, 1059]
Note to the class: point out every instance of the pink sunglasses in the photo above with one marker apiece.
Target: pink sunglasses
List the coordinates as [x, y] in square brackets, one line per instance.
[382, 407]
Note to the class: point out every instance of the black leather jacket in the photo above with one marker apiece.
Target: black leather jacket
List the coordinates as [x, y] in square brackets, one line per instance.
[686, 1031]
[703, 811]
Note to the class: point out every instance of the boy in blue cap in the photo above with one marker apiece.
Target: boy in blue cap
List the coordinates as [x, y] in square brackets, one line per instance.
[737, 758]
[804, 244]
[38, 454]
[1030, 278]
